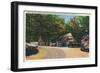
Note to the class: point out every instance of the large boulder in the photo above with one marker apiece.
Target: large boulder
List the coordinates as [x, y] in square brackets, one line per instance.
[67, 40]
[85, 43]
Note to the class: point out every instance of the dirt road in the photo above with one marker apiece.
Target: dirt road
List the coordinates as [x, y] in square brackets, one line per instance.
[58, 52]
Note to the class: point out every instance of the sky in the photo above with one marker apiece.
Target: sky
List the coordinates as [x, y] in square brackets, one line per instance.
[67, 18]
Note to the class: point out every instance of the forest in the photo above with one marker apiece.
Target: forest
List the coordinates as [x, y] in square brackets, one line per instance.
[48, 28]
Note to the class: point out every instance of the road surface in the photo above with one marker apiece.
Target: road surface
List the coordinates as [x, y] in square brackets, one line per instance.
[46, 52]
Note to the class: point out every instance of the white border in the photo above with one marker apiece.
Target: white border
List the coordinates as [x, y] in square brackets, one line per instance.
[54, 62]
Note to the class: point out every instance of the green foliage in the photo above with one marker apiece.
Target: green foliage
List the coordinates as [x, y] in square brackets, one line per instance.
[48, 27]
[81, 27]
[51, 27]
[83, 22]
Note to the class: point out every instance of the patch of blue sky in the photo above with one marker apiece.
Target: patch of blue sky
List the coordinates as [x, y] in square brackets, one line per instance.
[67, 18]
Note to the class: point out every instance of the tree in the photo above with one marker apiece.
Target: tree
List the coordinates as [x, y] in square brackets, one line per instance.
[83, 23]
[78, 26]
[43, 26]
